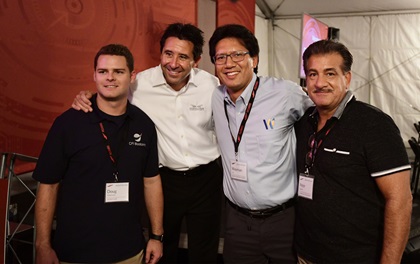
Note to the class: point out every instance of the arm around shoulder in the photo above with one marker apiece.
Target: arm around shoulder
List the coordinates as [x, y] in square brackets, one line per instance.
[82, 102]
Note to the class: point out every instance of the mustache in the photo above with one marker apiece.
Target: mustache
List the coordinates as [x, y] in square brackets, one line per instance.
[322, 90]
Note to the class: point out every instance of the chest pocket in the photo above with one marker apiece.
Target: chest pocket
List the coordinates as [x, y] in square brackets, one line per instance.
[266, 148]
[335, 158]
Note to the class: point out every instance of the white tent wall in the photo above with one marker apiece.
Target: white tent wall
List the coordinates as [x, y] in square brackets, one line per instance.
[263, 35]
[386, 51]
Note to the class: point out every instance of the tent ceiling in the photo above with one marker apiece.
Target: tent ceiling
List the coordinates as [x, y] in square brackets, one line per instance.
[277, 9]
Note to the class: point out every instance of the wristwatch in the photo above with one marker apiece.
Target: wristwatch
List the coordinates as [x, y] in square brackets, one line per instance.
[156, 237]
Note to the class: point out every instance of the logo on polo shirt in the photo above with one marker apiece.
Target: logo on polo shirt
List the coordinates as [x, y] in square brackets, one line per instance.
[269, 123]
[137, 140]
[137, 137]
[194, 107]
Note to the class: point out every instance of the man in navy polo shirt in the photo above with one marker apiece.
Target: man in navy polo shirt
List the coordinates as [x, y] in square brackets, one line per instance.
[96, 171]
[354, 201]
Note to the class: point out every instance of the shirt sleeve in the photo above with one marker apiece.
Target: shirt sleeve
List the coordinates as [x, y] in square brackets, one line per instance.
[52, 161]
[299, 101]
[152, 162]
[384, 148]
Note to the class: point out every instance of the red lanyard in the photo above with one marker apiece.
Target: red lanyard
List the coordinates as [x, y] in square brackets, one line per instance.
[318, 143]
[108, 148]
[246, 115]
[315, 141]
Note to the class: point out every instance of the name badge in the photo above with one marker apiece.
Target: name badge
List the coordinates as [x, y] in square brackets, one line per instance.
[306, 186]
[116, 192]
[238, 170]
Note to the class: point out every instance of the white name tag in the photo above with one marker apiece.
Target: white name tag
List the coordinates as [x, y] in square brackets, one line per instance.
[238, 170]
[116, 192]
[306, 186]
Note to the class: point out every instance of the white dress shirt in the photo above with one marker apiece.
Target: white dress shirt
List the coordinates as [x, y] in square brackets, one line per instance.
[183, 119]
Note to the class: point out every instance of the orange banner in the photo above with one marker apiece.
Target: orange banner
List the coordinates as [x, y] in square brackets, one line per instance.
[47, 50]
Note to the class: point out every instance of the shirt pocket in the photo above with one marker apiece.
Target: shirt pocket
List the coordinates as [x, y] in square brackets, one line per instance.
[270, 148]
[337, 151]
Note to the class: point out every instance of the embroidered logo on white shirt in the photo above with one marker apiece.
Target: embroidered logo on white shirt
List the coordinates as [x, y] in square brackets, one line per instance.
[196, 107]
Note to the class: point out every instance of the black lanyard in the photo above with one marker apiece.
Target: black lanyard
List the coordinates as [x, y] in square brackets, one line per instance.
[247, 112]
[111, 155]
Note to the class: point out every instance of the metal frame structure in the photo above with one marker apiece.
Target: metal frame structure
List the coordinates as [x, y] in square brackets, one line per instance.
[12, 228]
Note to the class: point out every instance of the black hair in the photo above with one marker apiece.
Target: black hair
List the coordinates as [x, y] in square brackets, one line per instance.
[185, 32]
[327, 47]
[118, 50]
[239, 32]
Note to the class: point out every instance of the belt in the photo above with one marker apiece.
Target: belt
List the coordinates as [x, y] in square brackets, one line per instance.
[190, 172]
[264, 213]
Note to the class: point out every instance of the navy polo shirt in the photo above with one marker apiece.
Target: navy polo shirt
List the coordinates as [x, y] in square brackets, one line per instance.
[75, 155]
[344, 221]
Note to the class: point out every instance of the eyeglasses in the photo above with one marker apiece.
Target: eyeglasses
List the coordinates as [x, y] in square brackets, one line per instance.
[310, 156]
[235, 56]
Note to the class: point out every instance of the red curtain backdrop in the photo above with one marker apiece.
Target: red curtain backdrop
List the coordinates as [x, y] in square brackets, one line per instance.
[47, 50]
[236, 12]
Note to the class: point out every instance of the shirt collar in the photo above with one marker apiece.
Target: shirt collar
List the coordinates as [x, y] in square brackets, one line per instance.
[158, 79]
[347, 98]
[246, 94]
[97, 115]
[340, 109]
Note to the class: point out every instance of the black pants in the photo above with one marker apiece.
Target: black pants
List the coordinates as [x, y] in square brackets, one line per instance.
[259, 241]
[197, 197]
